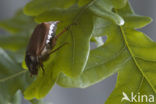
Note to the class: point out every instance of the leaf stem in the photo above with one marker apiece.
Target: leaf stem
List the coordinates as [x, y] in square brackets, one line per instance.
[12, 76]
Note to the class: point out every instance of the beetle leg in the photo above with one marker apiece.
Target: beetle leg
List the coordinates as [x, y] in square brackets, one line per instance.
[64, 30]
[58, 35]
[57, 48]
[42, 67]
[53, 43]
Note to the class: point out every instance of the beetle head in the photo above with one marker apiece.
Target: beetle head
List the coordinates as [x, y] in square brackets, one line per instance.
[32, 64]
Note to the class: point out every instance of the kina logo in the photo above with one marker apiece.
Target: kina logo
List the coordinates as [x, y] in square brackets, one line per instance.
[137, 98]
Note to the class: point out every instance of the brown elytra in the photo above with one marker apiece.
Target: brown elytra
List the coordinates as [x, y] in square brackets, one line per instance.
[40, 45]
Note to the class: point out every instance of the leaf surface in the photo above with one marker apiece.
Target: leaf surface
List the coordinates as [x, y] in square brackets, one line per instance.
[129, 80]
[36, 7]
[18, 24]
[103, 8]
[7, 86]
[103, 62]
[13, 42]
[10, 62]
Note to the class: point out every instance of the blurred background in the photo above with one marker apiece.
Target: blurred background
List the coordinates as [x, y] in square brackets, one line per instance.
[96, 94]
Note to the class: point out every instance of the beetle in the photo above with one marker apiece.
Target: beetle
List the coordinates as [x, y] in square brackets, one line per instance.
[41, 43]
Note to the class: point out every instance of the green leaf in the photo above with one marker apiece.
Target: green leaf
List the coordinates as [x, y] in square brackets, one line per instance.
[133, 20]
[129, 80]
[17, 99]
[140, 49]
[141, 67]
[75, 55]
[103, 8]
[83, 2]
[20, 23]
[101, 27]
[42, 85]
[13, 42]
[144, 62]
[114, 3]
[10, 61]
[7, 86]
[103, 62]
[57, 14]
[118, 3]
[8, 77]
[36, 7]
[35, 101]
[17, 55]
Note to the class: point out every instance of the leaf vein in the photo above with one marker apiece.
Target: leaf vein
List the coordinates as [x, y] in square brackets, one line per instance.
[12, 76]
